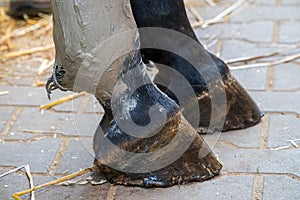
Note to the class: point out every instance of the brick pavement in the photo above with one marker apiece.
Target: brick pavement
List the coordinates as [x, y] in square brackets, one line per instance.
[58, 141]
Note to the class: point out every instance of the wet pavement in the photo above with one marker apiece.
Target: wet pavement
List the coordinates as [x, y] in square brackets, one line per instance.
[258, 163]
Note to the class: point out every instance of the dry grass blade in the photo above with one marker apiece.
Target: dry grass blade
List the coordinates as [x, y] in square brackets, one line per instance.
[62, 100]
[195, 13]
[44, 30]
[24, 30]
[210, 3]
[268, 64]
[220, 16]
[45, 65]
[40, 83]
[8, 31]
[280, 148]
[29, 176]
[12, 171]
[294, 142]
[3, 16]
[17, 196]
[43, 69]
[4, 93]
[250, 58]
[20, 32]
[26, 52]
[98, 182]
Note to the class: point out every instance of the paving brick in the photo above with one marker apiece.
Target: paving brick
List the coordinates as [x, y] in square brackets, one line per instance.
[278, 101]
[237, 49]
[21, 95]
[36, 96]
[264, 161]
[21, 81]
[265, 2]
[223, 187]
[290, 2]
[21, 73]
[75, 192]
[37, 154]
[16, 183]
[246, 138]
[275, 187]
[267, 12]
[285, 77]
[283, 128]
[5, 113]
[79, 155]
[258, 82]
[246, 31]
[289, 31]
[48, 122]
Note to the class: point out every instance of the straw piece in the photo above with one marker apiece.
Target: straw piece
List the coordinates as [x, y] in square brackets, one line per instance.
[4, 93]
[45, 65]
[194, 2]
[43, 30]
[62, 100]
[12, 171]
[42, 67]
[267, 64]
[8, 31]
[22, 31]
[220, 16]
[195, 13]
[210, 3]
[29, 176]
[280, 148]
[16, 196]
[40, 83]
[3, 15]
[27, 51]
[98, 182]
[250, 58]
[29, 21]
[293, 142]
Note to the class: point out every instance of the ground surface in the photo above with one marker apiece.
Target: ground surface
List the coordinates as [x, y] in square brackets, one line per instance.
[258, 162]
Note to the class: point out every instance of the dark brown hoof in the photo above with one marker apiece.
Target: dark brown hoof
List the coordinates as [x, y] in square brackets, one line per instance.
[176, 155]
[241, 110]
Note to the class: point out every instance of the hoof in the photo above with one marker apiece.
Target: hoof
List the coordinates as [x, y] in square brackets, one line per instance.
[174, 154]
[241, 111]
[163, 169]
